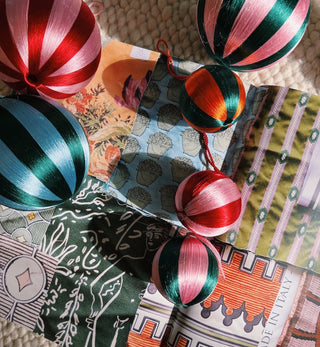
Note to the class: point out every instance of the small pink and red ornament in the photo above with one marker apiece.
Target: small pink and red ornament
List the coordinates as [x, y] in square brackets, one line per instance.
[208, 203]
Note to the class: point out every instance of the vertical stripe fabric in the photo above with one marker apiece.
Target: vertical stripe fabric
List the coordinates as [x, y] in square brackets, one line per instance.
[50, 47]
[251, 34]
[44, 153]
[272, 175]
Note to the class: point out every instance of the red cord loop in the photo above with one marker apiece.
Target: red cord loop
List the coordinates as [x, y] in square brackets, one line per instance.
[170, 65]
[207, 152]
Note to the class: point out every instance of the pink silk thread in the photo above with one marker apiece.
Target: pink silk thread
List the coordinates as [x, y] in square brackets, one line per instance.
[193, 268]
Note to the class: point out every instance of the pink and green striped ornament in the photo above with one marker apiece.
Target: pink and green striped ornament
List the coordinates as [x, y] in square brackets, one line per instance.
[247, 35]
[185, 269]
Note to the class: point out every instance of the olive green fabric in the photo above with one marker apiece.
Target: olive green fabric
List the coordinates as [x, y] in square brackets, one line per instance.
[271, 175]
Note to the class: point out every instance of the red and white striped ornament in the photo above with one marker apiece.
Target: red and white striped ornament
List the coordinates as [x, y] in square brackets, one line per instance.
[48, 47]
[208, 203]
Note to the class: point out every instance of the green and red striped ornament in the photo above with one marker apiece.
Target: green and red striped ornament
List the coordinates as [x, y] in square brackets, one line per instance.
[247, 35]
[44, 153]
[212, 98]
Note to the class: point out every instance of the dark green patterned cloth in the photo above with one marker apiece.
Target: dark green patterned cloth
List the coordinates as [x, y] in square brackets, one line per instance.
[104, 251]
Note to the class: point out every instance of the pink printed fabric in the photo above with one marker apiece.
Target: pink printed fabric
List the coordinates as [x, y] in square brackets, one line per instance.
[271, 175]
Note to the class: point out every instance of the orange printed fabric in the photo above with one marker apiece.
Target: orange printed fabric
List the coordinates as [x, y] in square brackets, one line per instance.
[249, 308]
[106, 108]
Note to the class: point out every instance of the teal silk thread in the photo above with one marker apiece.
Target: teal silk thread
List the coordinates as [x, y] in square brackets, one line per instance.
[45, 153]
[287, 17]
[169, 268]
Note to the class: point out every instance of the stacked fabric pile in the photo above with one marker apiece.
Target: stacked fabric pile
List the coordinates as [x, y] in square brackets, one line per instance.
[96, 249]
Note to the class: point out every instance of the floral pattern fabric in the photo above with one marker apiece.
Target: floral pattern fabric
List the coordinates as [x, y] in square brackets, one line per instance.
[106, 108]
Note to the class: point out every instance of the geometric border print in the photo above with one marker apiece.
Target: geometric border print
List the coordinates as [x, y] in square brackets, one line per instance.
[25, 276]
[151, 323]
[234, 314]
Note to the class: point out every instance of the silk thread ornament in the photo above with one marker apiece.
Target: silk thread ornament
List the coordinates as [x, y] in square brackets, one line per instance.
[212, 98]
[44, 153]
[185, 269]
[50, 47]
[208, 202]
[247, 35]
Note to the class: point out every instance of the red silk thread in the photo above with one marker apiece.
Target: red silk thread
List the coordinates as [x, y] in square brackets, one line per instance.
[170, 65]
[43, 53]
[207, 153]
[208, 203]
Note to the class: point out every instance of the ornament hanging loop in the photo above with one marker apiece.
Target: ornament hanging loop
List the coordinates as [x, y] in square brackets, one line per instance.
[170, 65]
[207, 153]
[96, 8]
[32, 80]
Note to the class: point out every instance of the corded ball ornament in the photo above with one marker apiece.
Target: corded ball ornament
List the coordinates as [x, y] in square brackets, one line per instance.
[50, 47]
[185, 269]
[44, 153]
[212, 98]
[247, 35]
[208, 202]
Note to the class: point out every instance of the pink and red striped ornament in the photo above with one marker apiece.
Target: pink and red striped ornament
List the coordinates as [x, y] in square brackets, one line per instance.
[247, 35]
[185, 269]
[48, 47]
[208, 203]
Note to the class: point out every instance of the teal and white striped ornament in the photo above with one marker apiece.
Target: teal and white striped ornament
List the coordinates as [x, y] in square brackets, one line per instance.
[44, 153]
